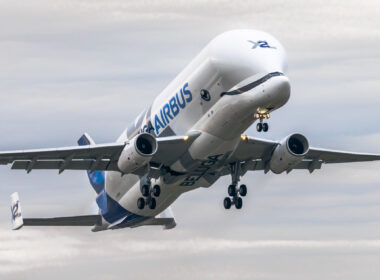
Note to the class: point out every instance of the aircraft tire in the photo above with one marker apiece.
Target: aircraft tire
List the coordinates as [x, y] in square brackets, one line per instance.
[145, 190]
[152, 203]
[156, 190]
[259, 127]
[239, 203]
[227, 203]
[141, 203]
[231, 190]
[243, 190]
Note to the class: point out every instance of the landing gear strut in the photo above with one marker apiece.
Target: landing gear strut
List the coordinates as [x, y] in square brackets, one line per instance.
[149, 195]
[235, 193]
[262, 126]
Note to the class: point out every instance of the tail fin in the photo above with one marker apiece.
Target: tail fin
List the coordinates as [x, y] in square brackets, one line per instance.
[17, 220]
[97, 178]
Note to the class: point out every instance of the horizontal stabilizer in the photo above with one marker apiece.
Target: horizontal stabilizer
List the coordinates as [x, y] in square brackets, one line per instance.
[166, 222]
[89, 220]
[168, 213]
[165, 219]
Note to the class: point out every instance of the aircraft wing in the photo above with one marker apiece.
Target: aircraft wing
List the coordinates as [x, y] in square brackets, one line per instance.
[18, 221]
[77, 157]
[333, 156]
[92, 157]
[257, 152]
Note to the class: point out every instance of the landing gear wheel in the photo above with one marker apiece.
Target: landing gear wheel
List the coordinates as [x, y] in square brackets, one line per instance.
[231, 190]
[145, 190]
[141, 203]
[152, 203]
[243, 190]
[265, 127]
[156, 190]
[238, 203]
[259, 127]
[227, 203]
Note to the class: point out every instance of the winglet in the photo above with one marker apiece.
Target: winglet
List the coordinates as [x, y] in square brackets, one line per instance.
[17, 220]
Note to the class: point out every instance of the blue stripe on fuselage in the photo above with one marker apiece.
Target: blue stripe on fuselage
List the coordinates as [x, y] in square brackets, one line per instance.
[112, 211]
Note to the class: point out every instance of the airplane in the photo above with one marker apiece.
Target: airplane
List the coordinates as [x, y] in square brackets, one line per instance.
[191, 135]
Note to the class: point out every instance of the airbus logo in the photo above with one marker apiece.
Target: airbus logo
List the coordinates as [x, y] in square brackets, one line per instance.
[14, 209]
[261, 44]
[172, 108]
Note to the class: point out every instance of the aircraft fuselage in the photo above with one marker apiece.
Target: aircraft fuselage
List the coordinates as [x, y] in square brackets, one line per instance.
[237, 75]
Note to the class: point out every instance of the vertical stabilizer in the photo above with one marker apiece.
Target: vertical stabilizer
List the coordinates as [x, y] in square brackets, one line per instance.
[96, 177]
[17, 221]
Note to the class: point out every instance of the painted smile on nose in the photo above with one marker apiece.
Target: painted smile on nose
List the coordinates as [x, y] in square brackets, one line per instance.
[252, 85]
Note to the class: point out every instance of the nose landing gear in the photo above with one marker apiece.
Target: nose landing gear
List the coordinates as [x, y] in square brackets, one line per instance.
[234, 192]
[149, 195]
[262, 126]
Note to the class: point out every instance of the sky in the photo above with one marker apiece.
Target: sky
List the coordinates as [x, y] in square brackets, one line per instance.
[68, 67]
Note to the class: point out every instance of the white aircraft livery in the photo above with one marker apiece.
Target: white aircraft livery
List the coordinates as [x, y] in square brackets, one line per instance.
[190, 136]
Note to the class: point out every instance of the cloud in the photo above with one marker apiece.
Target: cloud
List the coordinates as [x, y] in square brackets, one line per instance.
[25, 251]
[33, 248]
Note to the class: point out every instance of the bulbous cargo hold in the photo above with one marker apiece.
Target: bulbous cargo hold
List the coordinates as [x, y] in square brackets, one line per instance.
[289, 152]
[137, 153]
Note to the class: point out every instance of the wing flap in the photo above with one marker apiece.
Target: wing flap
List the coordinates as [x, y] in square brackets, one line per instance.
[58, 164]
[106, 151]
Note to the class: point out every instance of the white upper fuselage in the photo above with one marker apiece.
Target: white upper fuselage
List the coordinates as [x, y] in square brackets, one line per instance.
[234, 60]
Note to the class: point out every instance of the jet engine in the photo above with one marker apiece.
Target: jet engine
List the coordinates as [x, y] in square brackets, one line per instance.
[290, 152]
[137, 153]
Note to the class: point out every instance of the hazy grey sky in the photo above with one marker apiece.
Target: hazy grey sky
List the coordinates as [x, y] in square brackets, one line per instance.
[72, 66]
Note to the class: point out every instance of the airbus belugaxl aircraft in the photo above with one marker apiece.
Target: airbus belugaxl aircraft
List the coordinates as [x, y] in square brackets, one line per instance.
[189, 137]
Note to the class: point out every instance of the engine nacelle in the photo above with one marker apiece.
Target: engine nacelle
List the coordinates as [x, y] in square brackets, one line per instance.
[289, 153]
[137, 152]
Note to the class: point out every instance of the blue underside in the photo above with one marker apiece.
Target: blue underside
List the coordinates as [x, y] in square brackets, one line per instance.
[97, 178]
[111, 210]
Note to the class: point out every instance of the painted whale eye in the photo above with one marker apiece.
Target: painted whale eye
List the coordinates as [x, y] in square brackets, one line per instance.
[205, 95]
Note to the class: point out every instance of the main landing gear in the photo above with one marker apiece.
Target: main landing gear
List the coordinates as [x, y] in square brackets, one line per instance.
[235, 193]
[262, 126]
[149, 194]
[234, 198]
